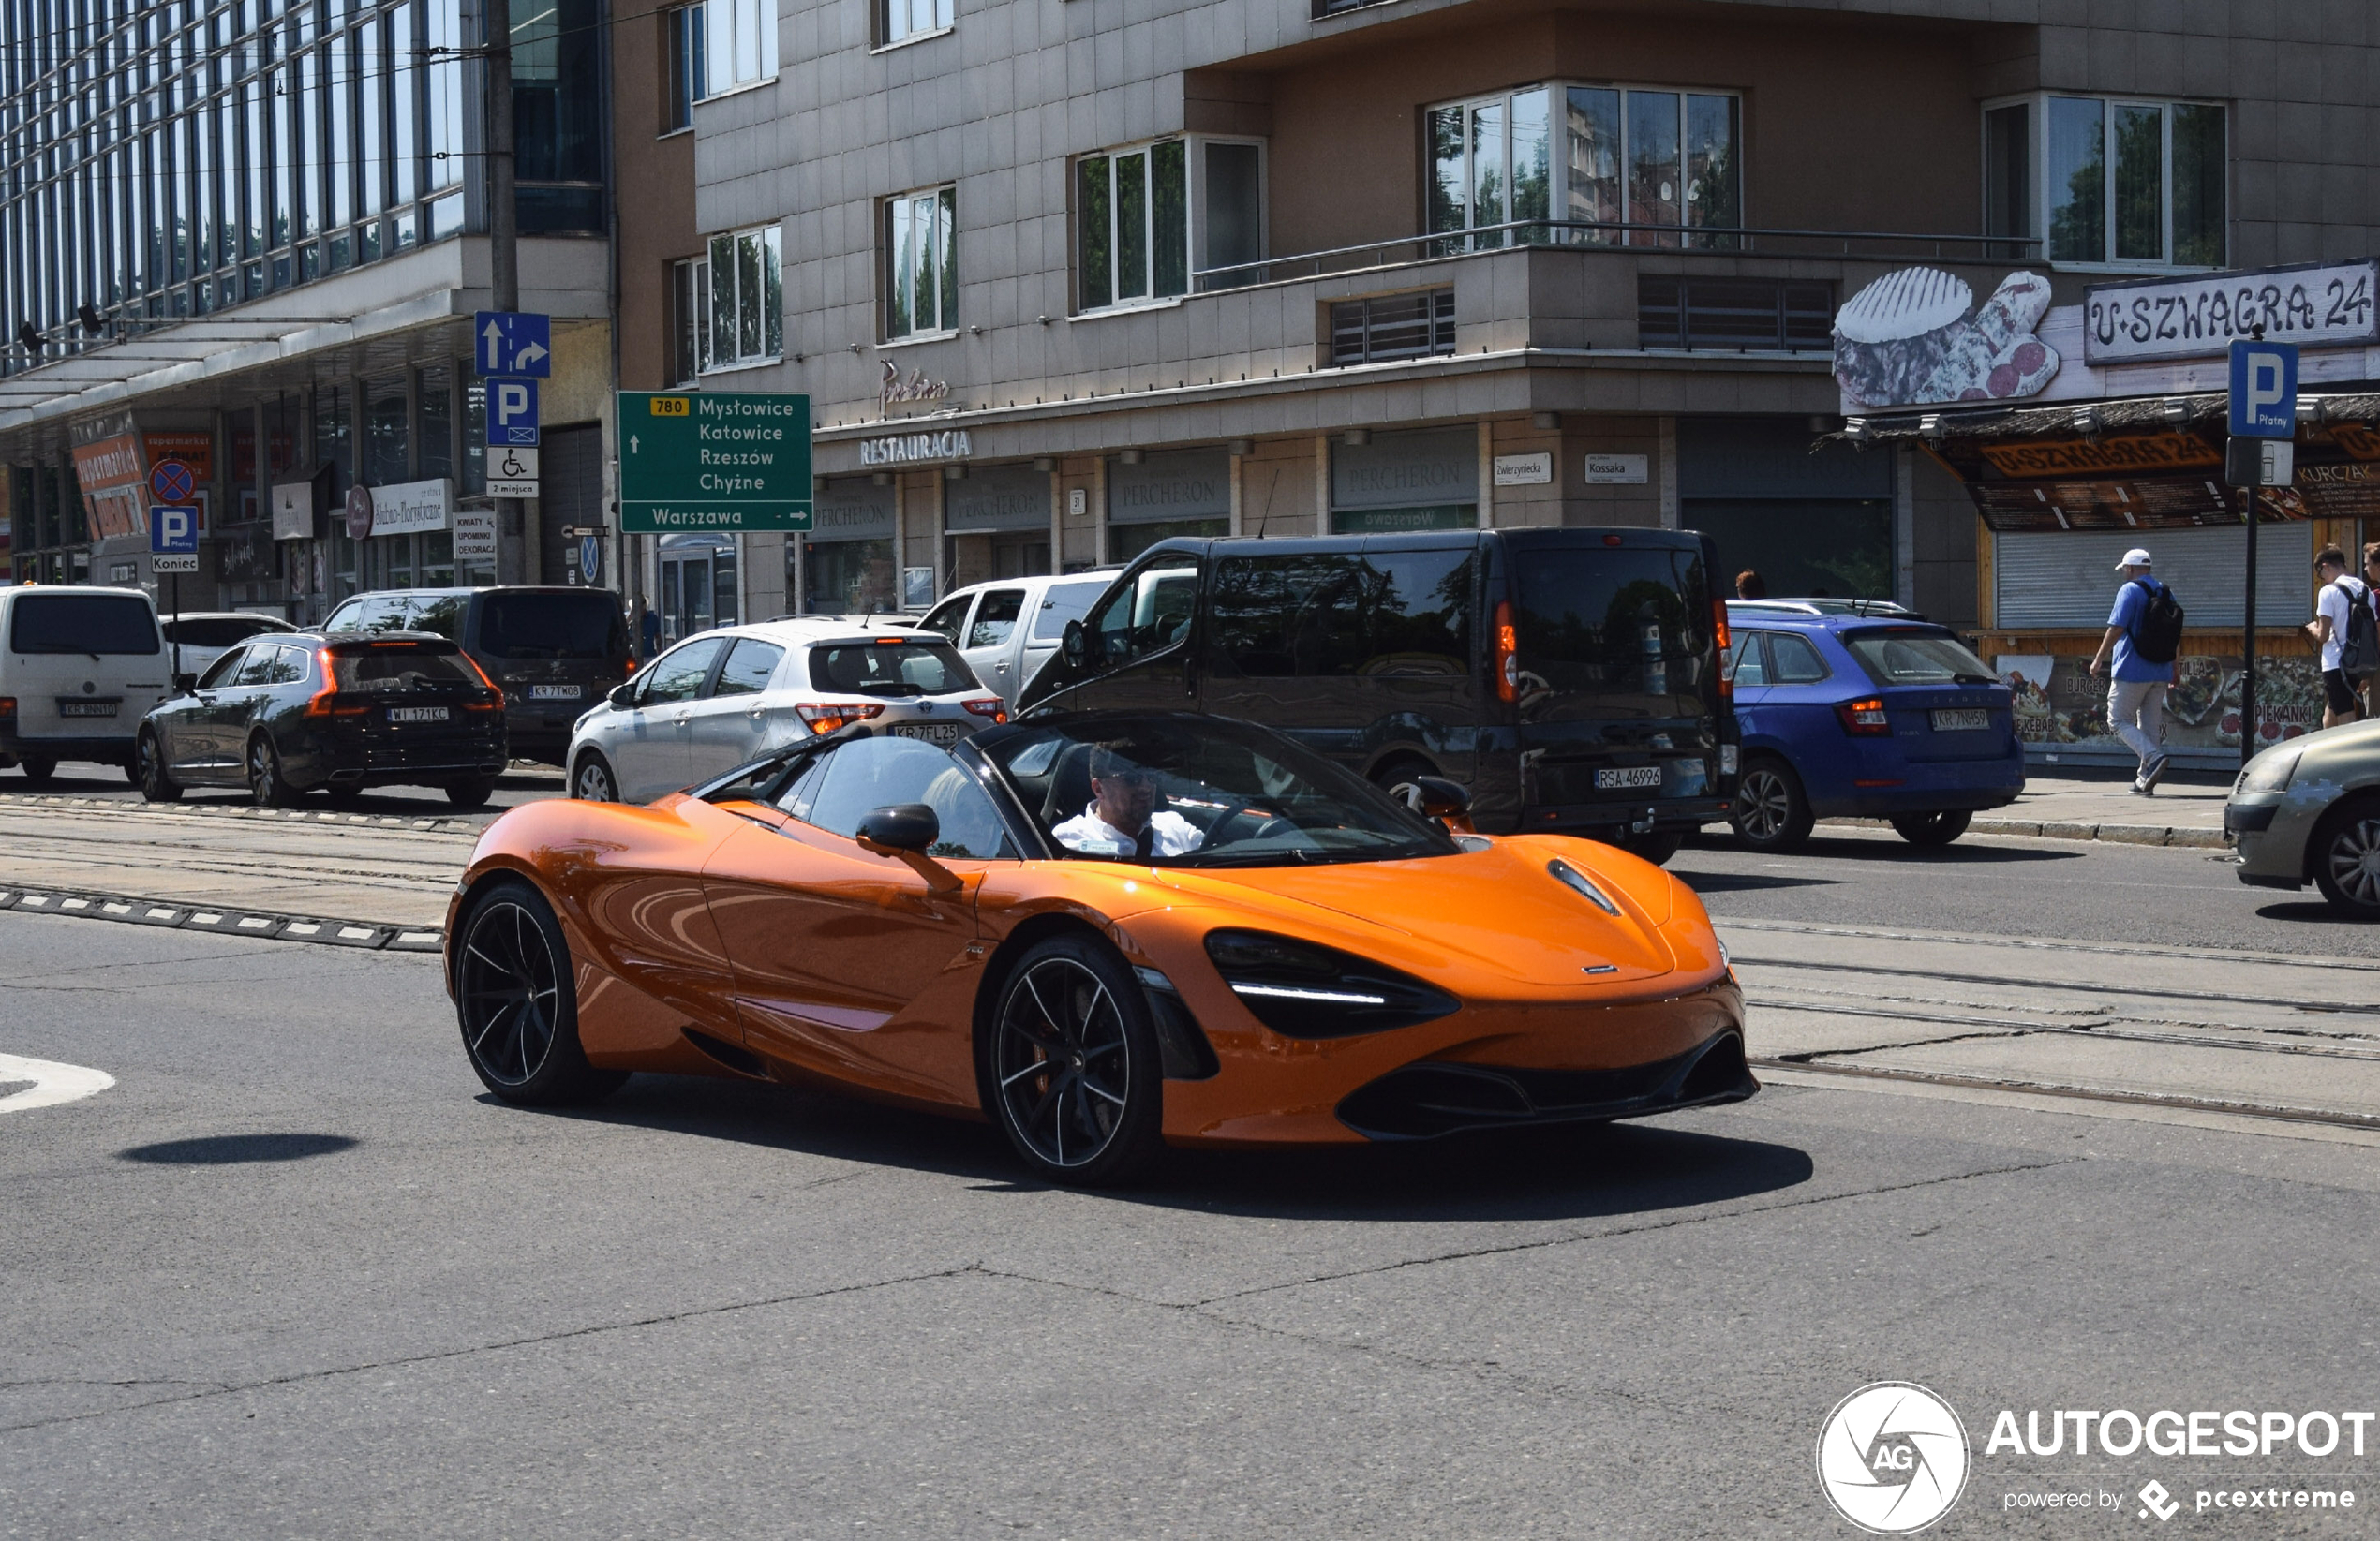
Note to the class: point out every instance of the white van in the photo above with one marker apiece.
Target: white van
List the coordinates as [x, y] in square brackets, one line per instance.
[1006, 630]
[79, 669]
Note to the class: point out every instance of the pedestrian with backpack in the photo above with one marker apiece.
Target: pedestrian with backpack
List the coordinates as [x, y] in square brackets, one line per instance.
[2372, 591]
[2144, 634]
[2343, 627]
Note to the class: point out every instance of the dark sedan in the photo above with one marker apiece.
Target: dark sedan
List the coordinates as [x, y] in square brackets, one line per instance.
[285, 715]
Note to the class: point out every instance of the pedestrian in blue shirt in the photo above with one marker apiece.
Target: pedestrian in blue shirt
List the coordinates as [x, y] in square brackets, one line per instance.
[2137, 696]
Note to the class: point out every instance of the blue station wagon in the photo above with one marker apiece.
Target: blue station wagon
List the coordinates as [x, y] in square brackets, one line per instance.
[1868, 716]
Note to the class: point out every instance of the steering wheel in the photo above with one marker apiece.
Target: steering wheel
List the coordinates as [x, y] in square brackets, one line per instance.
[1268, 823]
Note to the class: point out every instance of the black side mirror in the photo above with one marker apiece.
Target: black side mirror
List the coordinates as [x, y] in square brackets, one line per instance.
[623, 695]
[901, 826]
[1077, 644]
[1434, 797]
[184, 683]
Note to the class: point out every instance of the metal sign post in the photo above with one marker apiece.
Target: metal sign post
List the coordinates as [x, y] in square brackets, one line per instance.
[2264, 422]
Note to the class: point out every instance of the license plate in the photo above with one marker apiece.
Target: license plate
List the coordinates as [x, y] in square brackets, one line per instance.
[86, 708]
[417, 714]
[555, 692]
[1964, 719]
[945, 733]
[1632, 775]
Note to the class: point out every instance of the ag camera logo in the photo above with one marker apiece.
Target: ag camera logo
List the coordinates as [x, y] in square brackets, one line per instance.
[1892, 1458]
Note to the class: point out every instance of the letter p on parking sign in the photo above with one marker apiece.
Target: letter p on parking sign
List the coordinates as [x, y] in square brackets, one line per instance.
[2264, 390]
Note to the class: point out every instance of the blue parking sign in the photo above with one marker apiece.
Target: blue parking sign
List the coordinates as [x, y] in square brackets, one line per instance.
[172, 528]
[2264, 390]
[512, 412]
[590, 559]
[513, 342]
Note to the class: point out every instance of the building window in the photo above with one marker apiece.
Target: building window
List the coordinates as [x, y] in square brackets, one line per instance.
[1768, 314]
[902, 20]
[1623, 164]
[689, 320]
[2102, 181]
[747, 298]
[1394, 326]
[1159, 220]
[740, 45]
[921, 263]
[682, 35]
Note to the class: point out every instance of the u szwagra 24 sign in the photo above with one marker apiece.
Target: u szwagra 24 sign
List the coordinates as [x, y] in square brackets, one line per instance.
[713, 461]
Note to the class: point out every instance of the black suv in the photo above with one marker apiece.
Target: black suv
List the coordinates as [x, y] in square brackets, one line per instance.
[554, 652]
[1570, 678]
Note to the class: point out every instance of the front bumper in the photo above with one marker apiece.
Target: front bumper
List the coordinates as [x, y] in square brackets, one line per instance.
[1435, 1097]
[113, 748]
[2269, 830]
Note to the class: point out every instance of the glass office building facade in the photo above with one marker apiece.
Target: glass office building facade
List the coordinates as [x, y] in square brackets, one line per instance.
[170, 159]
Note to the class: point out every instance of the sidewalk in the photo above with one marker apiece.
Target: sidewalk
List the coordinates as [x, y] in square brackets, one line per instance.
[2186, 811]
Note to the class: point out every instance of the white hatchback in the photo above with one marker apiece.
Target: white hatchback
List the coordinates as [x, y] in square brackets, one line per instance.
[725, 698]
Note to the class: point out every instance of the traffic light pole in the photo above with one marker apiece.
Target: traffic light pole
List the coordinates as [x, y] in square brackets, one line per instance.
[503, 246]
[2248, 648]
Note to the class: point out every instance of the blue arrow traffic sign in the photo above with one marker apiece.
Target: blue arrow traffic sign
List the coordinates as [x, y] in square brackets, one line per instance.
[172, 529]
[512, 412]
[513, 342]
[2264, 390]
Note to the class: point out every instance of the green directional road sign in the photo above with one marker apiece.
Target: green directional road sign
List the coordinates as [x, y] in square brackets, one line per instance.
[706, 460]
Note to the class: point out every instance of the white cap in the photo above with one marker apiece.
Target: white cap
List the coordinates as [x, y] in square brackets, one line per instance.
[2135, 557]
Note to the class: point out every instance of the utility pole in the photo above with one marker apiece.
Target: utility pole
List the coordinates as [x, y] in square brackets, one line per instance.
[503, 248]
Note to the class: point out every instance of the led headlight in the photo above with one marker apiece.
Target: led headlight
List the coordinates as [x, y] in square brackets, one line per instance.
[2269, 771]
[1301, 990]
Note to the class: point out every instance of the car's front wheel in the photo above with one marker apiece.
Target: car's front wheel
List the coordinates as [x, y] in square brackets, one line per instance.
[1937, 828]
[149, 772]
[38, 771]
[592, 781]
[1772, 812]
[471, 794]
[2346, 858]
[1074, 1078]
[517, 1004]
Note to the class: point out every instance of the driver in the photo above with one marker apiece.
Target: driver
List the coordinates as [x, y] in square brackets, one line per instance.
[1122, 819]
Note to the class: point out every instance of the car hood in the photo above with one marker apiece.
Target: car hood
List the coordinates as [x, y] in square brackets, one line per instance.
[1499, 909]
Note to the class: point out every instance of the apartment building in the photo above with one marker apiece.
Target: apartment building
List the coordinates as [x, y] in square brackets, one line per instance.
[248, 236]
[1066, 276]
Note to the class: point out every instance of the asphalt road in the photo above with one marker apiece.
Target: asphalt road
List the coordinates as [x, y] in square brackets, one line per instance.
[524, 783]
[294, 1274]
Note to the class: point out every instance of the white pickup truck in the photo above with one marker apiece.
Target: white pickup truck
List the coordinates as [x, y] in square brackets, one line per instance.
[1007, 629]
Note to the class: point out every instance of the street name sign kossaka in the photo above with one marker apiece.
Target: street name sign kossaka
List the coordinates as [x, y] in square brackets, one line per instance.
[696, 461]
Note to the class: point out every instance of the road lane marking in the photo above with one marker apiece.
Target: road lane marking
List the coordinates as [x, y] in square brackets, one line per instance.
[52, 1083]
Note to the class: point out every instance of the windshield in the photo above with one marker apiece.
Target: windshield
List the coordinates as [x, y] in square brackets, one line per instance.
[891, 666]
[1628, 627]
[553, 626]
[1917, 657]
[97, 624]
[1200, 792]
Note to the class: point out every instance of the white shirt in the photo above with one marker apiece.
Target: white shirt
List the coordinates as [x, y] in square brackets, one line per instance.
[2333, 605]
[1170, 835]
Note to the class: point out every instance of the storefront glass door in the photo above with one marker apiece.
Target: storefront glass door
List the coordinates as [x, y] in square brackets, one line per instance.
[698, 585]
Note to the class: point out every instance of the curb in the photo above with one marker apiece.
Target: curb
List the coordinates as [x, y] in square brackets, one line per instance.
[371, 936]
[233, 810]
[2054, 829]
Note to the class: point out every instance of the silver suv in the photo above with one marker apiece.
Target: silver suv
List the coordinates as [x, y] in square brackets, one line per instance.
[727, 697]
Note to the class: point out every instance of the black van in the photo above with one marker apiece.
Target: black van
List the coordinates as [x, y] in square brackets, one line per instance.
[554, 652]
[1570, 678]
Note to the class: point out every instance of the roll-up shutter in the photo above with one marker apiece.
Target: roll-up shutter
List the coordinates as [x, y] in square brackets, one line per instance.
[2067, 579]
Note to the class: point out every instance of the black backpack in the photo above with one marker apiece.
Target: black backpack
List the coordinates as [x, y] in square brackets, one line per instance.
[2156, 636]
[2360, 649]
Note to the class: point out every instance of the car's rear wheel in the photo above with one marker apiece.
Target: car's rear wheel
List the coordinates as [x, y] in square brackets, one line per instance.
[2345, 857]
[265, 782]
[1655, 846]
[472, 793]
[38, 771]
[592, 780]
[149, 773]
[1939, 827]
[343, 795]
[1772, 812]
[517, 1004]
[1074, 1078]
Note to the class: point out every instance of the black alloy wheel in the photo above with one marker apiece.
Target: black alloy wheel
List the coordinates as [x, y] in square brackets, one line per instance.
[1655, 846]
[1771, 812]
[1937, 828]
[265, 784]
[38, 770]
[593, 781]
[1074, 1075]
[132, 768]
[471, 794]
[149, 773]
[517, 1004]
[2345, 858]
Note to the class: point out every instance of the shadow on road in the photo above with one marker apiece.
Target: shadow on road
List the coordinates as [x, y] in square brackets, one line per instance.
[1543, 1173]
[2312, 912]
[235, 1149]
[1745, 882]
[1960, 853]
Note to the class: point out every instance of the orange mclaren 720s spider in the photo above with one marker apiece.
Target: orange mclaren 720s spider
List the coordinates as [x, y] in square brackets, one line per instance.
[1107, 933]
